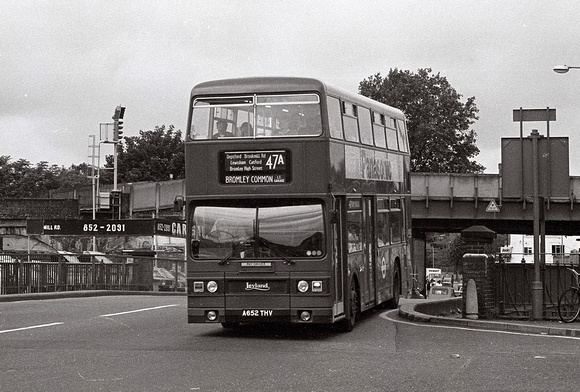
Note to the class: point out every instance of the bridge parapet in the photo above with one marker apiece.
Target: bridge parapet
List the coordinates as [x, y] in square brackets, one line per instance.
[447, 186]
[453, 202]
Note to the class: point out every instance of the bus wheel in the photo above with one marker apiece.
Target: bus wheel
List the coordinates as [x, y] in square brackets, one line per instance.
[352, 310]
[393, 303]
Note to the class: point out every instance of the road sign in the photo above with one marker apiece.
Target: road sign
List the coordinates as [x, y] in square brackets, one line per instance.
[492, 207]
[534, 115]
[107, 227]
[91, 227]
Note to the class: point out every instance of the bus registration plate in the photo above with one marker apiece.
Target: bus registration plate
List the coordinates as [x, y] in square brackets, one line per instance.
[257, 313]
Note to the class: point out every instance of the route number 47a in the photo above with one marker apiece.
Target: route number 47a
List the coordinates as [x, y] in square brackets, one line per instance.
[275, 160]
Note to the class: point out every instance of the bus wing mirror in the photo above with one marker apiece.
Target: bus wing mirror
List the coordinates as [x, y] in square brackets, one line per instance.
[178, 204]
[195, 247]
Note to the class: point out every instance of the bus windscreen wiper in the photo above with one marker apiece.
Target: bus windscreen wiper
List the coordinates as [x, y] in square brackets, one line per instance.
[274, 248]
[261, 241]
[236, 249]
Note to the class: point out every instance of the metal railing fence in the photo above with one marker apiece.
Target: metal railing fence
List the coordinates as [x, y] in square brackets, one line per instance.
[513, 282]
[43, 272]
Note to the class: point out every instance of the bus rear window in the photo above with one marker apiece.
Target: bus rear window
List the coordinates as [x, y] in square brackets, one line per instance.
[288, 115]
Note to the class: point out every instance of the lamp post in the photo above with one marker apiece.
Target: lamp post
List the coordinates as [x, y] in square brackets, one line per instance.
[562, 69]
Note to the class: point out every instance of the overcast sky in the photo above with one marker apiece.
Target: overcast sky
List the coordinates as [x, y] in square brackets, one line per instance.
[66, 65]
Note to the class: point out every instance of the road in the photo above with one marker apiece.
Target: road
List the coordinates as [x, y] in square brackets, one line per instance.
[143, 343]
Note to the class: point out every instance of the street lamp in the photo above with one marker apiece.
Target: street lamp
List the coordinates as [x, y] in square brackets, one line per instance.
[561, 69]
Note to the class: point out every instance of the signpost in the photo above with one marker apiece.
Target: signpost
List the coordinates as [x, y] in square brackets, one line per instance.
[547, 115]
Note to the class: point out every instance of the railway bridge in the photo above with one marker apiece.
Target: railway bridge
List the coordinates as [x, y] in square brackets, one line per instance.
[454, 202]
[441, 202]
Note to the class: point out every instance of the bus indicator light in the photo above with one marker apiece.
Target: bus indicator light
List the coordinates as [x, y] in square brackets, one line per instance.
[316, 286]
[198, 287]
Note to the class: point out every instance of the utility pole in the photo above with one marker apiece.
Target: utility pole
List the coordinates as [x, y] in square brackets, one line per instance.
[537, 289]
[94, 156]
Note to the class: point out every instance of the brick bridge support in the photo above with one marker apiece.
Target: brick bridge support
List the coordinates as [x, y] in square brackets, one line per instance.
[478, 264]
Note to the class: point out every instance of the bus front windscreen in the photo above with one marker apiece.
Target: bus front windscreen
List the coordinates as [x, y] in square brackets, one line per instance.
[284, 231]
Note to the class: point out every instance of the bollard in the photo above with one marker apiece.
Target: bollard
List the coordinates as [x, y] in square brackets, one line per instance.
[471, 311]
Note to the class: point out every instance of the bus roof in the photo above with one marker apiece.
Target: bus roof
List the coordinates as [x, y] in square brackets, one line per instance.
[275, 84]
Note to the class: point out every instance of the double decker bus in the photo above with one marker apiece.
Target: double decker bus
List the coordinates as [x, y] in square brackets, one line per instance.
[298, 203]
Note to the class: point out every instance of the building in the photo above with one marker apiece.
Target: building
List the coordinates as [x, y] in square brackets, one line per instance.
[557, 250]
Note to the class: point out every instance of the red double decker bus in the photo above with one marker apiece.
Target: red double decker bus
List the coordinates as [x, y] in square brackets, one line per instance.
[298, 203]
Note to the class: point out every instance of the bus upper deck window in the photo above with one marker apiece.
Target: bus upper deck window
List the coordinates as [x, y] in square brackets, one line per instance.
[288, 115]
[223, 117]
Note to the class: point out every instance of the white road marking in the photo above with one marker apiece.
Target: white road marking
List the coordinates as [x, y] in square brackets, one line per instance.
[386, 316]
[137, 310]
[30, 327]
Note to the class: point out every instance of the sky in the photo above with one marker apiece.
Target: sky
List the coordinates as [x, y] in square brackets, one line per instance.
[66, 65]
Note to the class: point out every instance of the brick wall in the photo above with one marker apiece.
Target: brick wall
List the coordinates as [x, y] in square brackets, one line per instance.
[478, 264]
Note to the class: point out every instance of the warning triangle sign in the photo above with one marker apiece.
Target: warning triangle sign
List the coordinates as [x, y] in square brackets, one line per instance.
[492, 207]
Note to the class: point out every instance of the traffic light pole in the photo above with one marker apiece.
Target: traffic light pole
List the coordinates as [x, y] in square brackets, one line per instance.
[117, 126]
[115, 165]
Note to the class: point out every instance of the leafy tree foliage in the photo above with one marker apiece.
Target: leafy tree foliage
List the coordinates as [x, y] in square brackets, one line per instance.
[438, 122]
[154, 155]
[22, 179]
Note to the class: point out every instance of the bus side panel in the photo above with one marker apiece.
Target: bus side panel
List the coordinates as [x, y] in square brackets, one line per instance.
[384, 275]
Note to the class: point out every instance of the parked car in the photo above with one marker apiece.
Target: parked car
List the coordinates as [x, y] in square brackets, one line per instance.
[97, 257]
[69, 257]
[447, 280]
[164, 280]
[441, 292]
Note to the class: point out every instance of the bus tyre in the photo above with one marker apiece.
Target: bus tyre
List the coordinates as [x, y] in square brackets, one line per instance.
[393, 303]
[352, 309]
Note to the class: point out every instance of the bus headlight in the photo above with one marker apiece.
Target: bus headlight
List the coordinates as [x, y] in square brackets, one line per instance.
[211, 315]
[305, 315]
[212, 286]
[303, 286]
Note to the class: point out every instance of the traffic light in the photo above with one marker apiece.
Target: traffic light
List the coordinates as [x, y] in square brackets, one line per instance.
[117, 132]
[118, 123]
[119, 113]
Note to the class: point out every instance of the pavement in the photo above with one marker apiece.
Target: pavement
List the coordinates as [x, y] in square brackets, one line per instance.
[441, 312]
[80, 294]
[448, 312]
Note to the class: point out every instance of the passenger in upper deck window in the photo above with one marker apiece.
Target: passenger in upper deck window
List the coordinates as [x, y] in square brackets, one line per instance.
[246, 129]
[289, 126]
[222, 130]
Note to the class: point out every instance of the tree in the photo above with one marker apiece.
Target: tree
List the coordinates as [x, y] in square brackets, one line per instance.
[438, 122]
[74, 177]
[154, 155]
[22, 179]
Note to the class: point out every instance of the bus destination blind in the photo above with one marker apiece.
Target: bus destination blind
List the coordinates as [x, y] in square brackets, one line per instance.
[255, 167]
